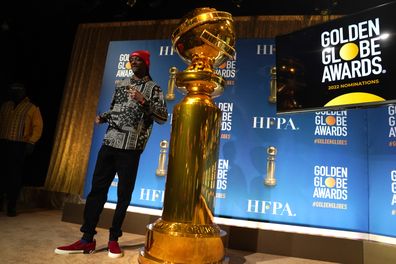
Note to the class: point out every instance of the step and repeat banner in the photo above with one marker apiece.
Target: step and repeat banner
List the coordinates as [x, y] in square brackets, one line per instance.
[382, 170]
[329, 169]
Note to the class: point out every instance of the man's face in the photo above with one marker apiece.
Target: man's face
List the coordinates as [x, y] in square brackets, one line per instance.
[17, 94]
[137, 65]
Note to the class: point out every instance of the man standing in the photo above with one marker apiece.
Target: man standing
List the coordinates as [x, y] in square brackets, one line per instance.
[137, 102]
[21, 126]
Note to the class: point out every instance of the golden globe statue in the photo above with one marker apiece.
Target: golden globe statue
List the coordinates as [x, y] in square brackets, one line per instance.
[186, 232]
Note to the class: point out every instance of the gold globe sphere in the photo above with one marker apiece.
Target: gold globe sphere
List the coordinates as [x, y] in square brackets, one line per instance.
[204, 39]
[207, 34]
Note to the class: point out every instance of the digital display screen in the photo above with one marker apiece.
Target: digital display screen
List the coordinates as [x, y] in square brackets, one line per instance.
[348, 62]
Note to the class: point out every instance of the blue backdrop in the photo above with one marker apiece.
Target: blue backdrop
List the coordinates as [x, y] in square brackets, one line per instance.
[334, 169]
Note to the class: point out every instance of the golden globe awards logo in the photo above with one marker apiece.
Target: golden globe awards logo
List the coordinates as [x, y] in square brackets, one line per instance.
[392, 123]
[123, 66]
[352, 51]
[222, 177]
[226, 118]
[227, 70]
[331, 123]
[226, 115]
[330, 183]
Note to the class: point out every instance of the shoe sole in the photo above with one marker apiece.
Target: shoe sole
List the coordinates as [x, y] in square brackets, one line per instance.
[115, 255]
[66, 252]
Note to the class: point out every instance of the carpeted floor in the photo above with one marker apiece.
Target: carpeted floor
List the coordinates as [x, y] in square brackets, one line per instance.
[33, 234]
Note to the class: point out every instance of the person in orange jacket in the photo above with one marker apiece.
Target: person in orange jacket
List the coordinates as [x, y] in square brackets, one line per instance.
[21, 126]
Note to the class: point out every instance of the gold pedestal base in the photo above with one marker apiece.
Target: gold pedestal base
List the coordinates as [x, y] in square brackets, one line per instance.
[270, 182]
[179, 243]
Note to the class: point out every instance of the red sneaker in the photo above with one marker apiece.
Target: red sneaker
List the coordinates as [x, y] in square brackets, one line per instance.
[77, 247]
[114, 250]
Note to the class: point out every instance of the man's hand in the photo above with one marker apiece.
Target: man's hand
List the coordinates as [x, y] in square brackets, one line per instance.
[136, 95]
[99, 119]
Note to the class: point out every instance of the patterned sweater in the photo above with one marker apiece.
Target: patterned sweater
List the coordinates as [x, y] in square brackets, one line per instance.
[130, 123]
[22, 122]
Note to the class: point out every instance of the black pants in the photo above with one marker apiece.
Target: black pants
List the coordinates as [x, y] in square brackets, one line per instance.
[109, 162]
[12, 161]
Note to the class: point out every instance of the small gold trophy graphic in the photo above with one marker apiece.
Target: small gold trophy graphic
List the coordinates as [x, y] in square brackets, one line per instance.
[270, 178]
[186, 233]
[170, 95]
[272, 96]
[161, 169]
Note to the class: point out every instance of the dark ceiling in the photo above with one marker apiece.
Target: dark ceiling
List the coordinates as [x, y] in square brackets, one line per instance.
[24, 17]
[116, 10]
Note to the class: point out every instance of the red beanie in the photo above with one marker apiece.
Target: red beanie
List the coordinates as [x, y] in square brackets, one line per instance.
[144, 55]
